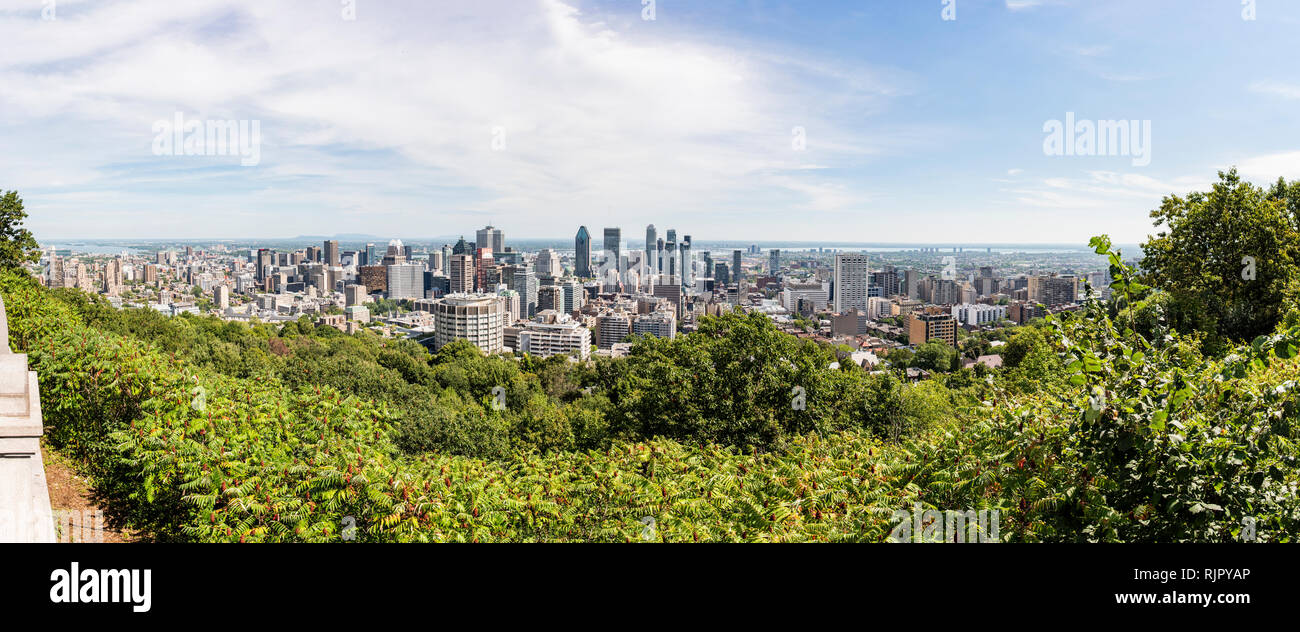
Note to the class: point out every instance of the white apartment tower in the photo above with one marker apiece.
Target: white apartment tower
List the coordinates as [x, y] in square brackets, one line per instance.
[852, 275]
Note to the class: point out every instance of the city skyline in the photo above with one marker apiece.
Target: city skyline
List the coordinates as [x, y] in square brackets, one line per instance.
[743, 120]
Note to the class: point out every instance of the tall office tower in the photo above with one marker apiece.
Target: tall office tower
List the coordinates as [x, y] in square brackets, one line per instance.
[651, 250]
[774, 262]
[313, 254]
[574, 297]
[613, 248]
[721, 273]
[482, 263]
[659, 256]
[462, 248]
[331, 257]
[582, 254]
[461, 273]
[395, 254]
[372, 255]
[446, 256]
[265, 259]
[478, 318]
[490, 237]
[851, 279]
[687, 262]
[708, 264]
[548, 264]
[436, 261]
[221, 295]
[406, 280]
[672, 235]
[550, 297]
[375, 278]
[525, 282]
[735, 265]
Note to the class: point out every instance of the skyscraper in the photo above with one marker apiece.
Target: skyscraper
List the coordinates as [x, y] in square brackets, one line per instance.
[735, 265]
[264, 263]
[651, 249]
[406, 280]
[774, 261]
[613, 239]
[525, 283]
[331, 252]
[582, 256]
[461, 273]
[687, 262]
[492, 238]
[396, 253]
[851, 278]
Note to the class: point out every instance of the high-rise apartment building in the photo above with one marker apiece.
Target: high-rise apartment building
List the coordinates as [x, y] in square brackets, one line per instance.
[1053, 290]
[478, 318]
[553, 333]
[659, 323]
[851, 278]
[774, 262]
[611, 328]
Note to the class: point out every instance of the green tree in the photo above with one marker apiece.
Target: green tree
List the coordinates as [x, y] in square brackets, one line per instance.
[1228, 259]
[935, 355]
[17, 246]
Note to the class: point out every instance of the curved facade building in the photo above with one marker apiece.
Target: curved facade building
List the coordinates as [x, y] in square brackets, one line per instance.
[478, 318]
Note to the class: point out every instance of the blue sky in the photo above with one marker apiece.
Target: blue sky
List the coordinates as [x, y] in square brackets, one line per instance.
[421, 119]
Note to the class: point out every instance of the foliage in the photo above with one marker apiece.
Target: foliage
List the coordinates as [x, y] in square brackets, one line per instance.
[1229, 259]
[17, 246]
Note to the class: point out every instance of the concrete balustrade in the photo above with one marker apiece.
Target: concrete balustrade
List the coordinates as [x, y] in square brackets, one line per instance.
[25, 514]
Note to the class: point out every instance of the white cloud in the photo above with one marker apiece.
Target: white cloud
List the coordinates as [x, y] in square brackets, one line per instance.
[1277, 88]
[393, 114]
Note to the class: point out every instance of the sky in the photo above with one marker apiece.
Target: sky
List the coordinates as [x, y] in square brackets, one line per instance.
[886, 121]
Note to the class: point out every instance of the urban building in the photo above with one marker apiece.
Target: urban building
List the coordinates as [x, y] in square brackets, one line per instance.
[851, 279]
[478, 318]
